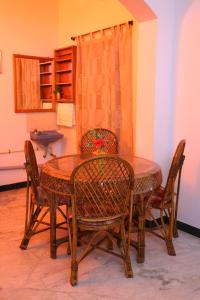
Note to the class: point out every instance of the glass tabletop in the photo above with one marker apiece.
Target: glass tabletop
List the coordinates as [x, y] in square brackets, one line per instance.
[62, 167]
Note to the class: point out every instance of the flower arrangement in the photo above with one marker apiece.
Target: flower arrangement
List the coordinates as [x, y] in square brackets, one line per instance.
[99, 144]
[98, 141]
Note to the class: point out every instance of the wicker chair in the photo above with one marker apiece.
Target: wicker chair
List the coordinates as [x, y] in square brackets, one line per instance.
[99, 139]
[39, 203]
[101, 201]
[163, 200]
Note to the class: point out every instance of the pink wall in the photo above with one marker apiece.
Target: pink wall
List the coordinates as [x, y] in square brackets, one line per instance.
[177, 92]
[187, 107]
[26, 28]
[176, 109]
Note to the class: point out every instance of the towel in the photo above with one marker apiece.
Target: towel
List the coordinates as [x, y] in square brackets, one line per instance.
[65, 114]
[47, 105]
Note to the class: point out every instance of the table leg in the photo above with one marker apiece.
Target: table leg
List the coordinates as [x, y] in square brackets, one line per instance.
[53, 245]
[141, 231]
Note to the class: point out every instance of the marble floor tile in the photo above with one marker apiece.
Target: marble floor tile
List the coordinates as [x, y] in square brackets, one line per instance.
[32, 275]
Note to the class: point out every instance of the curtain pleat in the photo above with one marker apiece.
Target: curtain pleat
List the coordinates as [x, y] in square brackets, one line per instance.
[104, 84]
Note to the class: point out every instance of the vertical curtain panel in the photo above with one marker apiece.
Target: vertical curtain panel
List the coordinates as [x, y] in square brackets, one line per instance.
[104, 84]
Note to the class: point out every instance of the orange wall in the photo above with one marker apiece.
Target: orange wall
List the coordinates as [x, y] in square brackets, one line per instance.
[83, 16]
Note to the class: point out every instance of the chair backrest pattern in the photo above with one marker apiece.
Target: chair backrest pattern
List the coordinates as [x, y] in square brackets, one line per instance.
[102, 187]
[31, 167]
[99, 139]
[175, 169]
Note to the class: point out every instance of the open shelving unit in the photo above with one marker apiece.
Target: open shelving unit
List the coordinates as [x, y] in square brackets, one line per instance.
[46, 80]
[65, 72]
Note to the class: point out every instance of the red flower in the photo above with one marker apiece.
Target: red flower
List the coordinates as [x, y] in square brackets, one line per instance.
[99, 143]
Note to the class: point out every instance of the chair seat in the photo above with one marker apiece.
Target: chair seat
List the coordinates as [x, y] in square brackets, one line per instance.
[99, 223]
[102, 192]
[39, 203]
[164, 201]
[156, 199]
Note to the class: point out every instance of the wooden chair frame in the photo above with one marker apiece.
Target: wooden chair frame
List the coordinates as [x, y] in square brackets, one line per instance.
[39, 203]
[97, 188]
[164, 201]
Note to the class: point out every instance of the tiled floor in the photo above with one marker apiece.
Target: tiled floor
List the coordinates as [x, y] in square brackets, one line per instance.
[31, 274]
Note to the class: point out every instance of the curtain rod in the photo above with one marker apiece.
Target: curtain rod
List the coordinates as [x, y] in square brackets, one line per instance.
[73, 38]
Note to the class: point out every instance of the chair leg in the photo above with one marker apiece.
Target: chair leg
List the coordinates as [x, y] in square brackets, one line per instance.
[175, 230]
[169, 243]
[170, 247]
[141, 232]
[109, 242]
[175, 233]
[169, 233]
[74, 264]
[69, 224]
[29, 231]
[53, 245]
[126, 255]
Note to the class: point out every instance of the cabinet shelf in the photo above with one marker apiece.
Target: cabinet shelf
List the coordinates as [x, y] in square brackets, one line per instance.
[46, 84]
[65, 68]
[46, 81]
[45, 73]
[65, 100]
[46, 100]
[63, 60]
[46, 63]
[64, 71]
[63, 83]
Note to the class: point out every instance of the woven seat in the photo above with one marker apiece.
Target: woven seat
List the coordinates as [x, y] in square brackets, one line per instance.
[156, 199]
[163, 200]
[101, 201]
[39, 204]
[99, 140]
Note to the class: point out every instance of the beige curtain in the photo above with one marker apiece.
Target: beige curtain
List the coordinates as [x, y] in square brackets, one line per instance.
[104, 84]
[28, 83]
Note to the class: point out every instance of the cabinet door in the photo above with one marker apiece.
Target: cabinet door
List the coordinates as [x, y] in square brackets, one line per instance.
[33, 83]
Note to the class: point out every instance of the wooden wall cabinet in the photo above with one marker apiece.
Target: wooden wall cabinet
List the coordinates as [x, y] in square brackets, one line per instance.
[33, 83]
[46, 80]
[48, 75]
[65, 72]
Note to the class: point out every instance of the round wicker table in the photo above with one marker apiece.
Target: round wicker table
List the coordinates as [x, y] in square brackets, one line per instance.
[55, 177]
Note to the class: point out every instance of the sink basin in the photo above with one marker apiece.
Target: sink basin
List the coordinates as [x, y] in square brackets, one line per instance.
[44, 138]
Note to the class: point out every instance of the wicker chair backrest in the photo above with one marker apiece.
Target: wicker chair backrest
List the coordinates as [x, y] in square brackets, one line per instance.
[31, 166]
[175, 168]
[99, 138]
[102, 188]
